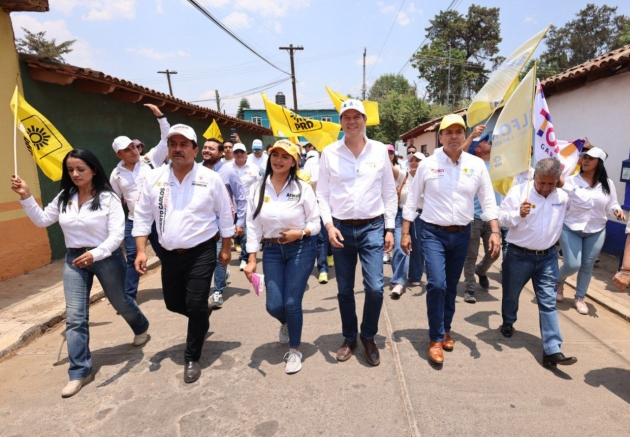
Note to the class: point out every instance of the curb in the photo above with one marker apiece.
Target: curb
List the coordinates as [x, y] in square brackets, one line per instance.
[602, 300]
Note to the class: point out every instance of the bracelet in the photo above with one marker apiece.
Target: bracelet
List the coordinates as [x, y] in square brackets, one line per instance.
[498, 233]
[406, 233]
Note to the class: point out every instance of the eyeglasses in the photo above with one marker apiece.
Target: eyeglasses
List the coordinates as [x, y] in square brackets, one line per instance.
[238, 152]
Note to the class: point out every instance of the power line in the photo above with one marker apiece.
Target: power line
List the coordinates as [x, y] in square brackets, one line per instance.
[265, 27]
[387, 37]
[247, 92]
[229, 32]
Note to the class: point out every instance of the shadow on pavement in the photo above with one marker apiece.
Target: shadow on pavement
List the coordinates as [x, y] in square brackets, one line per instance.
[228, 292]
[567, 304]
[319, 310]
[613, 378]
[212, 351]
[419, 339]
[150, 294]
[328, 345]
[274, 352]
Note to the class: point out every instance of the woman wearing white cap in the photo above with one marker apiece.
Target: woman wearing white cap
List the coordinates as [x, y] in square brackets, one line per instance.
[283, 212]
[400, 176]
[592, 196]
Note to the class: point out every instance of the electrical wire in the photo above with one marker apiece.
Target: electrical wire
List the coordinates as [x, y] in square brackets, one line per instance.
[265, 27]
[387, 37]
[247, 92]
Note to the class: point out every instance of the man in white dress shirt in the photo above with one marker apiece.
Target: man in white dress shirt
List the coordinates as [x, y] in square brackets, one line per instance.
[447, 182]
[258, 157]
[185, 199]
[535, 216]
[358, 203]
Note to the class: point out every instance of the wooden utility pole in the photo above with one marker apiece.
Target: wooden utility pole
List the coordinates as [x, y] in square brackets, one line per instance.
[364, 86]
[218, 99]
[291, 49]
[168, 77]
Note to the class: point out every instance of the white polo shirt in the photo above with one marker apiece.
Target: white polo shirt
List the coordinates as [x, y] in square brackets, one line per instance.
[260, 162]
[186, 214]
[542, 227]
[589, 206]
[249, 174]
[350, 188]
[446, 190]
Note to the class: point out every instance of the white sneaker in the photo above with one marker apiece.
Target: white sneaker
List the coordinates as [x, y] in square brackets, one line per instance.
[73, 387]
[294, 361]
[141, 339]
[243, 264]
[227, 274]
[283, 334]
[397, 290]
[217, 300]
[580, 306]
[416, 284]
[386, 258]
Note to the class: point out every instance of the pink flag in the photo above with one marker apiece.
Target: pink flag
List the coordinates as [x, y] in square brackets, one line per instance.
[258, 281]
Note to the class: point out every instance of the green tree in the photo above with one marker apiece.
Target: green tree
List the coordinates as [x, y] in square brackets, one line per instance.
[244, 104]
[37, 44]
[387, 83]
[398, 113]
[471, 41]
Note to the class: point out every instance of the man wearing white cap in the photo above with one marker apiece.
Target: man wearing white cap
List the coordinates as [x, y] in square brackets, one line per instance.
[446, 184]
[358, 201]
[185, 200]
[258, 157]
[126, 180]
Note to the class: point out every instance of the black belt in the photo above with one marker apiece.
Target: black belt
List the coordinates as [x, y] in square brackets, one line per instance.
[80, 249]
[533, 252]
[183, 251]
[451, 228]
[358, 222]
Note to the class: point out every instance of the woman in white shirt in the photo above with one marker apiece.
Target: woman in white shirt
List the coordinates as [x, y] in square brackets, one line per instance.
[283, 213]
[92, 220]
[592, 195]
[400, 175]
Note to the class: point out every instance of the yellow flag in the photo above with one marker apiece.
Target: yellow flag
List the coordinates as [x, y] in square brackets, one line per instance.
[371, 108]
[46, 144]
[512, 136]
[497, 90]
[213, 131]
[285, 123]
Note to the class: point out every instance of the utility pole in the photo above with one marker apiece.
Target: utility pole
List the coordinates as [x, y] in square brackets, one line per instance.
[291, 49]
[364, 87]
[218, 99]
[448, 88]
[168, 77]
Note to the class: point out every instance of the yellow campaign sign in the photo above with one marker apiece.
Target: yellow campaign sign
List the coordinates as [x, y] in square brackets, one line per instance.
[371, 108]
[512, 136]
[213, 131]
[286, 124]
[497, 90]
[45, 143]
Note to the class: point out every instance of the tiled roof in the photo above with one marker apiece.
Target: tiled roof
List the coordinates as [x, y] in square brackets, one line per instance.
[85, 79]
[429, 126]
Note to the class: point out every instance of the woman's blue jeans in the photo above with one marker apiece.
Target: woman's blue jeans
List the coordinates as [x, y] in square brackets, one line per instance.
[400, 261]
[287, 268]
[77, 284]
[580, 251]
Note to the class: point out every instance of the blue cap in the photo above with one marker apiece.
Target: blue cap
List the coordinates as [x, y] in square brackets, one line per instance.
[476, 141]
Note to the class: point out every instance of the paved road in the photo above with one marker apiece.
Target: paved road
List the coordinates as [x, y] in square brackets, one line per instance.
[488, 385]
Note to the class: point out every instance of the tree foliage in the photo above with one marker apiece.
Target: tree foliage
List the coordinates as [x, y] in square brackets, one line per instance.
[244, 104]
[387, 83]
[471, 40]
[37, 44]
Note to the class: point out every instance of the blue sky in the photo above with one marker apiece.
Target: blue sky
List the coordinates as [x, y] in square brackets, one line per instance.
[133, 39]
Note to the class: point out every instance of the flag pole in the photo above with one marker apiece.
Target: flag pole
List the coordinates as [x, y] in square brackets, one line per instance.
[15, 120]
[531, 129]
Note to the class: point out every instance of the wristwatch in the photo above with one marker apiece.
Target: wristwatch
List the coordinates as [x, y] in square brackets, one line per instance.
[389, 230]
[303, 234]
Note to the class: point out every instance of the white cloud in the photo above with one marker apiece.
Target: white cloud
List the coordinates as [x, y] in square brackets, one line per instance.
[369, 60]
[277, 27]
[99, 10]
[183, 54]
[237, 20]
[384, 8]
[152, 54]
[159, 8]
[272, 8]
[412, 9]
[82, 54]
[403, 19]
[530, 18]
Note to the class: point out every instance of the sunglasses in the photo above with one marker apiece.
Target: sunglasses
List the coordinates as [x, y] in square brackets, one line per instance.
[238, 152]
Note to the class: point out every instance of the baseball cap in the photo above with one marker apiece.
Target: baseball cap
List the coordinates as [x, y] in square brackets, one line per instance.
[257, 145]
[138, 143]
[181, 129]
[476, 141]
[452, 119]
[312, 154]
[418, 155]
[239, 146]
[390, 148]
[595, 152]
[121, 143]
[357, 105]
[288, 147]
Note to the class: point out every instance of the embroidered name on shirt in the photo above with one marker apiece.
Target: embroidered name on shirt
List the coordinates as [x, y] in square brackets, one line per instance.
[200, 183]
[556, 204]
[291, 196]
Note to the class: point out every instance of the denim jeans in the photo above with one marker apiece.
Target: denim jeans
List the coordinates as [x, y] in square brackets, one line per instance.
[580, 251]
[518, 268]
[77, 284]
[367, 242]
[479, 230]
[400, 261]
[322, 247]
[416, 259]
[132, 276]
[241, 241]
[220, 272]
[445, 253]
[286, 268]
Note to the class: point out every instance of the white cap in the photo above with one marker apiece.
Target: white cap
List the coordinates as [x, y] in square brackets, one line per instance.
[418, 155]
[257, 144]
[312, 154]
[357, 105]
[239, 146]
[182, 129]
[121, 143]
[595, 152]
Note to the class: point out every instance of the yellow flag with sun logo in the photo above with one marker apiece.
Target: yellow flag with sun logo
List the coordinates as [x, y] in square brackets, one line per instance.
[46, 144]
[213, 131]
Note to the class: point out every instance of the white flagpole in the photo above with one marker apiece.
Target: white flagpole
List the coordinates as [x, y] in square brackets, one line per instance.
[15, 120]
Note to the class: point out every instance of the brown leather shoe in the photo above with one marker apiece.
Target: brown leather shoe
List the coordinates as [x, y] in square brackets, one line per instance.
[371, 351]
[436, 354]
[345, 351]
[447, 342]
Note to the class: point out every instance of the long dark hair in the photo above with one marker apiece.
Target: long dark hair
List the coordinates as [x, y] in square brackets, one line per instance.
[100, 183]
[293, 178]
[600, 176]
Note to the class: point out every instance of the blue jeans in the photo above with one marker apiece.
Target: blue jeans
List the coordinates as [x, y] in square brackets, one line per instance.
[242, 241]
[220, 272]
[322, 247]
[416, 259]
[580, 251]
[286, 268]
[400, 261]
[132, 276]
[445, 253]
[367, 242]
[518, 268]
[77, 284]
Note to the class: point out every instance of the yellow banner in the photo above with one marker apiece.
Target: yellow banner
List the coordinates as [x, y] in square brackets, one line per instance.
[371, 108]
[46, 144]
[497, 90]
[512, 136]
[213, 131]
[285, 123]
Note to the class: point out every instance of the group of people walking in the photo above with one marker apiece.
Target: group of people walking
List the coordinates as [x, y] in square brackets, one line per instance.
[357, 202]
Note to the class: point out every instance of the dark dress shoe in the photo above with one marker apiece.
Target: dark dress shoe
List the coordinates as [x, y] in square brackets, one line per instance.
[447, 342]
[559, 358]
[484, 282]
[192, 371]
[507, 330]
[371, 351]
[345, 351]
